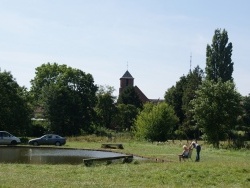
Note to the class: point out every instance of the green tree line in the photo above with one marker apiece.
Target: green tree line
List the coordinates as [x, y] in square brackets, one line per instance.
[64, 100]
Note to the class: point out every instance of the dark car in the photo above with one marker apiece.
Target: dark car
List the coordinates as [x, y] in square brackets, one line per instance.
[48, 139]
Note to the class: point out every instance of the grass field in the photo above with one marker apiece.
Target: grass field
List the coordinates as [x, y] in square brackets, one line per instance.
[217, 168]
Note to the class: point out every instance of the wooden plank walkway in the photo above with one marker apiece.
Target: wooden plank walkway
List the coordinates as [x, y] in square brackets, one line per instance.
[112, 146]
[126, 159]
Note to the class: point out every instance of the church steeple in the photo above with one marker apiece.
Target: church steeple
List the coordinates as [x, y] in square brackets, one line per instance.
[125, 81]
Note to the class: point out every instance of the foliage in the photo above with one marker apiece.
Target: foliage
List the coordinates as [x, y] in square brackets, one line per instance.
[125, 117]
[216, 109]
[98, 130]
[218, 168]
[38, 128]
[246, 115]
[24, 140]
[194, 80]
[155, 122]
[128, 106]
[15, 111]
[179, 97]
[129, 96]
[174, 95]
[67, 96]
[105, 107]
[143, 125]
[219, 64]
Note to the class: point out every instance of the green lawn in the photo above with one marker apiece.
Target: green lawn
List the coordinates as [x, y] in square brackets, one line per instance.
[217, 168]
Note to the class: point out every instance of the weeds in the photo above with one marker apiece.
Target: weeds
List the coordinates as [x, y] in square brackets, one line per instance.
[218, 168]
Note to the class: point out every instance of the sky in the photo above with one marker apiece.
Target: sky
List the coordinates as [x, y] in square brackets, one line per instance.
[157, 41]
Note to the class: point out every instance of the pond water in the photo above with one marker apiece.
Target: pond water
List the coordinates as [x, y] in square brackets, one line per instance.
[42, 155]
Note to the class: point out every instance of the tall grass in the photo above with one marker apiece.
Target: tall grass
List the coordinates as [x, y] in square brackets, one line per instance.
[217, 168]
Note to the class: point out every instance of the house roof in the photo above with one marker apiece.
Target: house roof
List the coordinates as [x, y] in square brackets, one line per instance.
[142, 96]
[127, 75]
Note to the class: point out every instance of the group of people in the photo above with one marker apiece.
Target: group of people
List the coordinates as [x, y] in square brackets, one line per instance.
[186, 150]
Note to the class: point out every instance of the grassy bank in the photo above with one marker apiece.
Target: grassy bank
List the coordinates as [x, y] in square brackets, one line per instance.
[218, 168]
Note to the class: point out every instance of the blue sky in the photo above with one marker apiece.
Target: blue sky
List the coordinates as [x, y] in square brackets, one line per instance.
[154, 37]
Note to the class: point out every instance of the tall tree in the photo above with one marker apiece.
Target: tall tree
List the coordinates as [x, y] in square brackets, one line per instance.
[216, 109]
[68, 96]
[174, 95]
[179, 97]
[105, 107]
[218, 57]
[15, 111]
[194, 80]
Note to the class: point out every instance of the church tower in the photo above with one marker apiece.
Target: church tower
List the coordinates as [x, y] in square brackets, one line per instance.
[125, 81]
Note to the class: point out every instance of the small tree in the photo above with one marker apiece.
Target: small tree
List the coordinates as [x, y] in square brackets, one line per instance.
[246, 116]
[129, 96]
[125, 117]
[155, 122]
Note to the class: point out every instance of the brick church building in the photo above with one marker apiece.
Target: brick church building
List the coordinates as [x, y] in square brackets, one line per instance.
[128, 80]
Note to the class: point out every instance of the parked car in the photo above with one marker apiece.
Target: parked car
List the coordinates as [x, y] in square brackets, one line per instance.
[8, 139]
[48, 139]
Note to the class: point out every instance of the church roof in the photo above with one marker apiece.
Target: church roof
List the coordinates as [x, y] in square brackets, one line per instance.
[127, 75]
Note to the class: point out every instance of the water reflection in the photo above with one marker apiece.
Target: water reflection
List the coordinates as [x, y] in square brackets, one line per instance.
[49, 155]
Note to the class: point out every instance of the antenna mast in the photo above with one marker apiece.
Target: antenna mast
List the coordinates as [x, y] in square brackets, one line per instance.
[190, 62]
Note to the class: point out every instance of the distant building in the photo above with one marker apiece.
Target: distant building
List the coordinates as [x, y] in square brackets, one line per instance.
[128, 80]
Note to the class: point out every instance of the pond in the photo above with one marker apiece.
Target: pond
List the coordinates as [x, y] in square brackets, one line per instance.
[46, 155]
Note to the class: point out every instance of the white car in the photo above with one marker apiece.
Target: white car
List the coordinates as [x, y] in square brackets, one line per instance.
[8, 139]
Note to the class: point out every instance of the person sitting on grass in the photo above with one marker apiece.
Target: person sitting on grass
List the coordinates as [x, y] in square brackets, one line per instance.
[184, 153]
